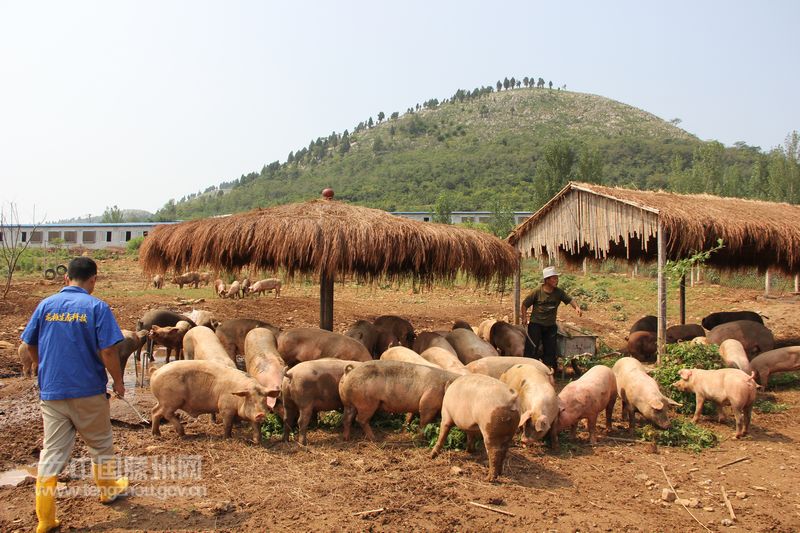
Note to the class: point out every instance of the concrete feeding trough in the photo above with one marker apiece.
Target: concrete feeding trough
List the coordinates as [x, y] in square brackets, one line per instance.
[572, 343]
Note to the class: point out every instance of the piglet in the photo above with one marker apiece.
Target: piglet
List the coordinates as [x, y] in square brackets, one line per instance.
[478, 404]
[586, 397]
[725, 386]
[30, 369]
[640, 393]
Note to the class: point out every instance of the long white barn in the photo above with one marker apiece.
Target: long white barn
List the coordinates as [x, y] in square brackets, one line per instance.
[93, 235]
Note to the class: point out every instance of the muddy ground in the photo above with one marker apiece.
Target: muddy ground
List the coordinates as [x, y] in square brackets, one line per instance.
[329, 485]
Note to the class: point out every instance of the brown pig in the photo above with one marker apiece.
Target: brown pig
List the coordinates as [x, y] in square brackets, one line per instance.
[774, 361]
[306, 344]
[643, 345]
[538, 403]
[732, 353]
[496, 365]
[756, 338]
[232, 333]
[684, 332]
[725, 386]
[30, 369]
[445, 360]
[398, 328]
[219, 288]
[640, 393]
[482, 405]
[401, 353]
[234, 290]
[367, 334]
[205, 278]
[171, 337]
[507, 339]
[266, 285]
[394, 387]
[587, 397]
[469, 346]
[188, 278]
[309, 388]
[428, 339]
[158, 281]
[198, 387]
[264, 363]
[201, 343]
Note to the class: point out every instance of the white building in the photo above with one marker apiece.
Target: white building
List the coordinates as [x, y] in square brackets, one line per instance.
[459, 217]
[92, 235]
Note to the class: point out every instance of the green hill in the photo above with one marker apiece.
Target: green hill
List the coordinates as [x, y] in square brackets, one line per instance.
[479, 148]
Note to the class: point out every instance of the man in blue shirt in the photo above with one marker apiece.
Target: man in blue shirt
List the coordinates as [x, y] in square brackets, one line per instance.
[73, 336]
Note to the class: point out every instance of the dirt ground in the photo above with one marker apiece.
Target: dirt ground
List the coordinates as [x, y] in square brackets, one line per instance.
[615, 485]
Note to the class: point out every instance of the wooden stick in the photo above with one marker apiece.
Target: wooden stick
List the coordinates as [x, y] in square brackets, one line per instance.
[476, 504]
[370, 511]
[674, 492]
[621, 439]
[728, 503]
[729, 463]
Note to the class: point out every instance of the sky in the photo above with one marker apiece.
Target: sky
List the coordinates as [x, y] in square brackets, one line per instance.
[131, 103]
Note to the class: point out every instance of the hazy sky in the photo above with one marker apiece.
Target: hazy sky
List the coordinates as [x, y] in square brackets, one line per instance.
[134, 103]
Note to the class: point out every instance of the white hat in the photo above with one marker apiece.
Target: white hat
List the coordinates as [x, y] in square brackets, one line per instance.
[548, 272]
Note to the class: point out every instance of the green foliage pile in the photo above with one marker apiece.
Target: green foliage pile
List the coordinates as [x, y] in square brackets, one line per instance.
[762, 405]
[682, 433]
[685, 355]
[272, 426]
[456, 439]
[785, 380]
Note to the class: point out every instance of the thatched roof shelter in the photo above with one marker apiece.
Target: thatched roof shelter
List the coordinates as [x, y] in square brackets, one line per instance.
[585, 220]
[328, 238]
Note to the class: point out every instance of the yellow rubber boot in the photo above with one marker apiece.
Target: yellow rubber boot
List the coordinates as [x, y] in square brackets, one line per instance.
[105, 476]
[46, 504]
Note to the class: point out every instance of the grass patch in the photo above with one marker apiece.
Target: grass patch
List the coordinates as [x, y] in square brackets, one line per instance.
[681, 434]
[762, 405]
[787, 380]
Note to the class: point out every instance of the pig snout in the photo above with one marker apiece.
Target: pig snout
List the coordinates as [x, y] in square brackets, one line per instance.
[259, 416]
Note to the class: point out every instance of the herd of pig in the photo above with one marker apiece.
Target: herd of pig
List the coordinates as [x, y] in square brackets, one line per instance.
[474, 378]
[237, 289]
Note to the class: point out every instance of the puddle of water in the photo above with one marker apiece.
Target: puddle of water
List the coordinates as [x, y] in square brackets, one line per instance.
[12, 478]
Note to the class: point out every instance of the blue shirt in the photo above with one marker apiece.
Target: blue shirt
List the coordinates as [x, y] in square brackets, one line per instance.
[69, 329]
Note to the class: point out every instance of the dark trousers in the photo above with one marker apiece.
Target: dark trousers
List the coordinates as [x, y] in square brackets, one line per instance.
[544, 336]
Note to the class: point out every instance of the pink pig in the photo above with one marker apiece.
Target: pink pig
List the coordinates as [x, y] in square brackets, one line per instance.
[586, 398]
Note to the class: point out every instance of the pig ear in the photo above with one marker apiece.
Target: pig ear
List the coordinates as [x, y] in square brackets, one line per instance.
[657, 404]
[672, 402]
[242, 393]
[524, 418]
[685, 373]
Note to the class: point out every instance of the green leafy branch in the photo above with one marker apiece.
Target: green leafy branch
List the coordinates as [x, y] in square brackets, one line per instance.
[678, 269]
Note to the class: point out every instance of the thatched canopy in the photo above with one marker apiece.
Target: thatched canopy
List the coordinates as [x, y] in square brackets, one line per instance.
[329, 237]
[585, 220]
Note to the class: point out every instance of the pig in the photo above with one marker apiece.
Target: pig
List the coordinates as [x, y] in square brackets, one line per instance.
[219, 288]
[203, 318]
[401, 353]
[485, 327]
[266, 285]
[507, 339]
[496, 365]
[684, 332]
[264, 363]
[306, 344]
[367, 334]
[715, 319]
[587, 397]
[755, 337]
[394, 387]
[398, 327]
[461, 324]
[643, 345]
[734, 356]
[158, 317]
[198, 387]
[480, 404]
[132, 342]
[725, 386]
[171, 337]
[469, 346]
[774, 361]
[201, 343]
[538, 403]
[231, 333]
[188, 278]
[234, 290]
[646, 323]
[308, 388]
[30, 368]
[245, 287]
[445, 360]
[640, 393]
[205, 278]
[158, 281]
[700, 340]
[428, 339]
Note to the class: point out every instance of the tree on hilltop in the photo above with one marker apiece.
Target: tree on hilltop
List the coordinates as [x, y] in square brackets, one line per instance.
[381, 116]
[506, 83]
[525, 81]
[499, 85]
[540, 83]
[394, 115]
[512, 82]
[551, 84]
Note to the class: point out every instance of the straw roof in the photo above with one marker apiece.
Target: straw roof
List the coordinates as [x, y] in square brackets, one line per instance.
[585, 220]
[328, 236]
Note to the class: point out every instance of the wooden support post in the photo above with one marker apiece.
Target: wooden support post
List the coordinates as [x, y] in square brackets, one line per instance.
[767, 281]
[662, 291]
[682, 296]
[797, 283]
[326, 301]
[517, 289]
[691, 276]
[585, 266]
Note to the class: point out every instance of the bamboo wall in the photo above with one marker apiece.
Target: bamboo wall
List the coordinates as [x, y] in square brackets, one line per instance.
[581, 218]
